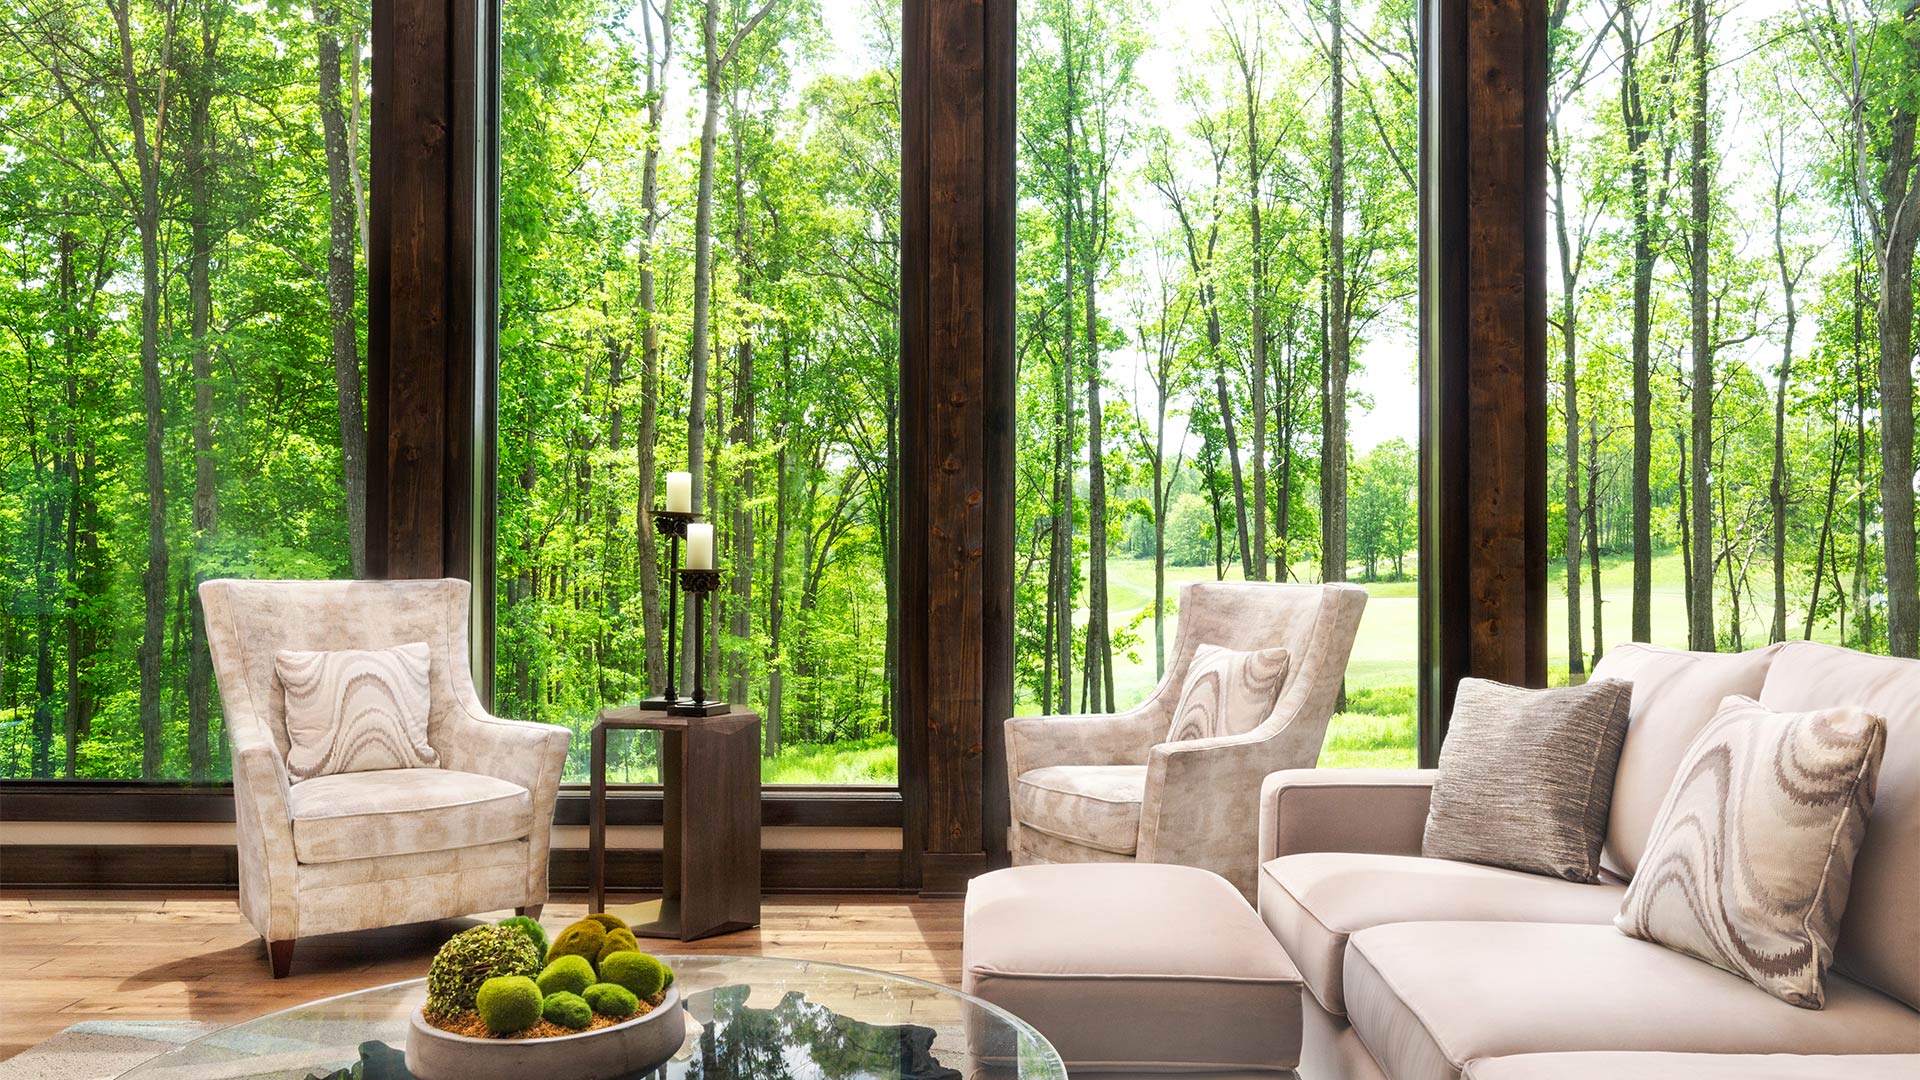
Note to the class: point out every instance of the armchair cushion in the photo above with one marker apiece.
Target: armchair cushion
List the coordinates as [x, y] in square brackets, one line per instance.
[1314, 902]
[1097, 806]
[1228, 692]
[401, 811]
[356, 710]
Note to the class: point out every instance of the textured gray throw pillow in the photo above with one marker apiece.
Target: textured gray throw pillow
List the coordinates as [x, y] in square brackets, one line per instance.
[1228, 692]
[1526, 777]
[1751, 857]
[356, 710]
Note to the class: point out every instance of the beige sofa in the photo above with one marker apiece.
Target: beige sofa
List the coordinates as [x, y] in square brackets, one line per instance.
[1425, 969]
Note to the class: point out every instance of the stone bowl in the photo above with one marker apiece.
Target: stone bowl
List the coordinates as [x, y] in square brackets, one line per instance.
[629, 1048]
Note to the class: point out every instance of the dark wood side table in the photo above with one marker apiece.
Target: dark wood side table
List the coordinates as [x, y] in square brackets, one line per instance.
[710, 848]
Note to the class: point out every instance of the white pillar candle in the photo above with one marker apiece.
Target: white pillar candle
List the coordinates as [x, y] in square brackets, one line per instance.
[699, 546]
[679, 493]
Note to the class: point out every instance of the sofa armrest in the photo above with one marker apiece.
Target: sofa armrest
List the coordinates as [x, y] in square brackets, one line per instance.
[1380, 811]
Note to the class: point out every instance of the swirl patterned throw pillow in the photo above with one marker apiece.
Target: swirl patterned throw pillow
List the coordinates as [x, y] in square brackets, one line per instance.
[1752, 853]
[1227, 692]
[356, 710]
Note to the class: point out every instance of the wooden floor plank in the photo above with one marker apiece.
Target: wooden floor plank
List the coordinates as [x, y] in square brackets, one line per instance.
[69, 956]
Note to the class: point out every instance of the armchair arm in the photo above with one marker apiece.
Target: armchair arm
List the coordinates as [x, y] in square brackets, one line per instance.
[1202, 798]
[263, 826]
[529, 754]
[1035, 742]
[1381, 811]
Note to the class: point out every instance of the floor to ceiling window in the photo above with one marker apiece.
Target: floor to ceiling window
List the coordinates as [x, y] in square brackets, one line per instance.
[182, 304]
[1218, 370]
[699, 272]
[1731, 200]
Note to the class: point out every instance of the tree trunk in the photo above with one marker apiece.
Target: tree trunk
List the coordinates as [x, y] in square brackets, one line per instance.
[1593, 538]
[1633, 118]
[1701, 634]
[740, 437]
[1900, 198]
[651, 619]
[1099, 660]
[343, 221]
[698, 352]
[200, 289]
[1570, 383]
[776, 604]
[1777, 481]
[1333, 558]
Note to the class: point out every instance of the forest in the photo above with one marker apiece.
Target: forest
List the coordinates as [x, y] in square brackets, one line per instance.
[699, 263]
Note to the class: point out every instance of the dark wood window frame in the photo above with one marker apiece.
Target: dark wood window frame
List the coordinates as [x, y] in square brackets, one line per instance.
[433, 285]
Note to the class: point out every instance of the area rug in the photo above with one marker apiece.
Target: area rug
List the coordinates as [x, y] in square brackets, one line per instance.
[101, 1049]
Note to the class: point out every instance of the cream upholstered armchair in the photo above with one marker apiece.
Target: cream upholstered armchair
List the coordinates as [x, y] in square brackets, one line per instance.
[357, 850]
[1110, 788]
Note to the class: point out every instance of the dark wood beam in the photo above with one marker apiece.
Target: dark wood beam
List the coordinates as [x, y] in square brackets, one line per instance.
[955, 683]
[1483, 564]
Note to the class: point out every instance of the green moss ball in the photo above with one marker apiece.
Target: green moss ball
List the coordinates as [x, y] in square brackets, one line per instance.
[612, 999]
[610, 922]
[508, 1003]
[618, 941]
[641, 974]
[470, 958]
[567, 974]
[534, 931]
[583, 939]
[567, 1010]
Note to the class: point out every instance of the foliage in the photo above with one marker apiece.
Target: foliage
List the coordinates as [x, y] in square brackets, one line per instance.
[567, 1009]
[618, 940]
[531, 928]
[566, 973]
[609, 999]
[470, 958]
[508, 1003]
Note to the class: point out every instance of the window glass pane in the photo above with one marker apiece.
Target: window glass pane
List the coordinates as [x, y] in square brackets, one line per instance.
[701, 274]
[182, 293]
[1216, 242]
[1731, 338]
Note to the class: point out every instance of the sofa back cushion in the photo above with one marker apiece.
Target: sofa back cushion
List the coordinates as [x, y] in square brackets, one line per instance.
[1880, 934]
[1675, 694]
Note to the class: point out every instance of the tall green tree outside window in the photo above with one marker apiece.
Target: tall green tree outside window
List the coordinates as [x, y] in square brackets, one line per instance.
[183, 220]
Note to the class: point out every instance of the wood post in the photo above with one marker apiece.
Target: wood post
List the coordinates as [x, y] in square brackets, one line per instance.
[1483, 551]
[954, 688]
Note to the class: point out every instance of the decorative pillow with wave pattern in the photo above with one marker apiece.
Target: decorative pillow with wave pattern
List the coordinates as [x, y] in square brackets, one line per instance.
[356, 710]
[1228, 692]
[1752, 853]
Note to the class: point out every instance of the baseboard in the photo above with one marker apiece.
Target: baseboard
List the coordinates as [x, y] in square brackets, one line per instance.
[210, 867]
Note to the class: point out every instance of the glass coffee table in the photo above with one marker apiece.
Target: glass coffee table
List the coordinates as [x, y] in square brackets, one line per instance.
[747, 1018]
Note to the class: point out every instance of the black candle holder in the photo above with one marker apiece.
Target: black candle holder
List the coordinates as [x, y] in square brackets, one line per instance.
[699, 583]
[671, 524]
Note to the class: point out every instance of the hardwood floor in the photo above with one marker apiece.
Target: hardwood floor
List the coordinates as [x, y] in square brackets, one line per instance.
[68, 956]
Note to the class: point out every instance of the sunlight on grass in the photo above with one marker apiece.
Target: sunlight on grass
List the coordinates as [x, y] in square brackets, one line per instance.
[873, 760]
[1358, 740]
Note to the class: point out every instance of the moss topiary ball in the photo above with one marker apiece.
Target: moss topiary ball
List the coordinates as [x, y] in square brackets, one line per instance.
[567, 974]
[638, 972]
[470, 958]
[534, 931]
[567, 1010]
[582, 939]
[508, 1003]
[618, 941]
[612, 999]
[610, 922]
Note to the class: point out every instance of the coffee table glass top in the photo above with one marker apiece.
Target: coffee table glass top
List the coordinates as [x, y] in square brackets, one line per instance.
[747, 1018]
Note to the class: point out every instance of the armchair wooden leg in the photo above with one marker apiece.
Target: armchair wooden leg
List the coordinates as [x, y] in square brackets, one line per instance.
[281, 953]
[531, 911]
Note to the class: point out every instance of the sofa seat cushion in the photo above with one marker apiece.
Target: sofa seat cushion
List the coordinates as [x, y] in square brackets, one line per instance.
[367, 815]
[1879, 940]
[1313, 901]
[1097, 806]
[1133, 966]
[1664, 1066]
[1427, 998]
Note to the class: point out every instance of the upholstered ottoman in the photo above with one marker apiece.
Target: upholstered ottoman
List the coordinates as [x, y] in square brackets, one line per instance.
[1134, 967]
